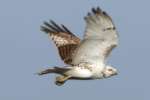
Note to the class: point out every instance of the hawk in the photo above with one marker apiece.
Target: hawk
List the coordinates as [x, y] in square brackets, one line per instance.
[86, 58]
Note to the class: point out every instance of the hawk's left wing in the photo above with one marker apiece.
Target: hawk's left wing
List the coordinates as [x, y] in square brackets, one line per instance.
[64, 39]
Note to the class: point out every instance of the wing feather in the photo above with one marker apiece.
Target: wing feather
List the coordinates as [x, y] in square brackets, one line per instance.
[99, 25]
[99, 39]
[64, 39]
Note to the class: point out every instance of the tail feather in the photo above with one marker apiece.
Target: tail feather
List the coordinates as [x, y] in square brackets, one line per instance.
[57, 70]
[46, 71]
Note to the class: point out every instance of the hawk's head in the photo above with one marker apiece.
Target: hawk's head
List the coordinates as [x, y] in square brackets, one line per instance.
[109, 71]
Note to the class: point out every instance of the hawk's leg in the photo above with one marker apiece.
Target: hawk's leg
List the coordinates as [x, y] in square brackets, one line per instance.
[60, 80]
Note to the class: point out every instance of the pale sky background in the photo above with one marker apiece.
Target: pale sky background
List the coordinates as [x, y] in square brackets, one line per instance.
[24, 50]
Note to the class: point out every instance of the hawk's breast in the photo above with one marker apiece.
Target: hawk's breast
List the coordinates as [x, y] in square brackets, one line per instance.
[90, 50]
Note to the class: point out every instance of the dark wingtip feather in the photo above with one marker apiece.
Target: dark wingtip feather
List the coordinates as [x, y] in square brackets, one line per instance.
[51, 21]
[105, 13]
[89, 14]
[66, 29]
[52, 27]
[99, 10]
[46, 24]
[56, 26]
[94, 10]
[44, 29]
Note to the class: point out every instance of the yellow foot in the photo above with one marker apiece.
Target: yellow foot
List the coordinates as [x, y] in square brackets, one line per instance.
[60, 80]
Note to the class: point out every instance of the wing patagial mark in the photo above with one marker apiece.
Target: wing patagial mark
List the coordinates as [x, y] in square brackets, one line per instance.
[109, 28]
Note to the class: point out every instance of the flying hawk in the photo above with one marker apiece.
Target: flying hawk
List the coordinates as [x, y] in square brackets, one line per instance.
[86, 58]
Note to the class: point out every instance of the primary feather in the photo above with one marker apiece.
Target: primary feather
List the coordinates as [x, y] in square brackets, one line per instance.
[64, 39]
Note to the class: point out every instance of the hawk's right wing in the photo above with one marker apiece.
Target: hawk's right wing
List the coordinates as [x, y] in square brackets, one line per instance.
[64, 39]
[99, 39]
[99, 26]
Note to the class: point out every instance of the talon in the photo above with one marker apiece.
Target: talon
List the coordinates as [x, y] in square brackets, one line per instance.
[60, 80]
[59, 83]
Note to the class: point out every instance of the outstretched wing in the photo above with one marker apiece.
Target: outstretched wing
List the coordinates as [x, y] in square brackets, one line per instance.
[99, 25]
[99, 39]
[64, 39]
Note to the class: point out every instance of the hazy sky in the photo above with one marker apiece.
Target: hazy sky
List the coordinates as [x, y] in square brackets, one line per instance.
[25, 50]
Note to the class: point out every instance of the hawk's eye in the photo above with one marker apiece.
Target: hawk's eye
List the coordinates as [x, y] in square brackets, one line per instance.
[110, 70]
